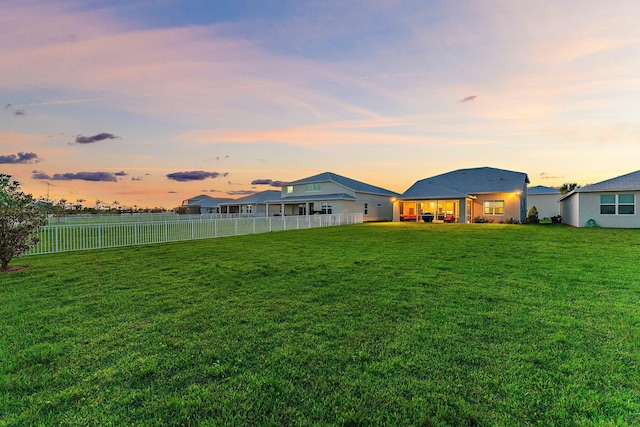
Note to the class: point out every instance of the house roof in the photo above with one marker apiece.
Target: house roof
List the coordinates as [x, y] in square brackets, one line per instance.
[261, 197]
[205, 201]
[541, 189]
[463, 183]
[627, 182]
[318, 197]
[349, 183]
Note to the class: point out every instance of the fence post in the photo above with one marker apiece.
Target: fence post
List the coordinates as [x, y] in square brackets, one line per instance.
[57, 240]
[135, 233]
[99, 236]
[254, 226]
[236, 221]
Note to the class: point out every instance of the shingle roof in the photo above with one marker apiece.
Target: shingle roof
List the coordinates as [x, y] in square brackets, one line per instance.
[206, 201]
[541, 189]
[464, 183]
[261, 197]
[627, 182]
[318, 197]
[349, 183]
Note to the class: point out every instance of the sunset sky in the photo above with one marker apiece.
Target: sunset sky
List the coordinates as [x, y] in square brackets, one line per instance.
[151, 102]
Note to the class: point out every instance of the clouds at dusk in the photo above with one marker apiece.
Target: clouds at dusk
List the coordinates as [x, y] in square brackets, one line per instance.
[267, 181]
[194, 176]
[94, 138]
[20, 158]
[79, 176]
[386, 94]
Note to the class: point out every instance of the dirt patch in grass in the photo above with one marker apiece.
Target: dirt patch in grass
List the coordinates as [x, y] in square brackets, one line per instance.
[12, 268]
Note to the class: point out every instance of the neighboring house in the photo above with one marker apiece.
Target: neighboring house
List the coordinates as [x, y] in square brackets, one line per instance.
[610, 203]
[330, 193]
[264, 203]
[545, 199]
[464, 194]
[201, 204]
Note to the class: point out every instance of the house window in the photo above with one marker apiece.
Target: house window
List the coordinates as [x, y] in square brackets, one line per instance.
[289, 189]
[621, 204]
[366, 208]
[494, 207]
[314, 187]
[326, 208]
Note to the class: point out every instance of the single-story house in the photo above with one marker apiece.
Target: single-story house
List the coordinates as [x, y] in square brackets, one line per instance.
[610, 203]
[464, 194]
[330, 193]
[201, 204]
[264, 203]
[545, 200]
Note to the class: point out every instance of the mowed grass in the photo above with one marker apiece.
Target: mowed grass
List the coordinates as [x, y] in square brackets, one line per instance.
[373, 324]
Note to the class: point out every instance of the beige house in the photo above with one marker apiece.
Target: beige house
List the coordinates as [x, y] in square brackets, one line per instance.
[610, 203]
[330, 193]
[464, 194]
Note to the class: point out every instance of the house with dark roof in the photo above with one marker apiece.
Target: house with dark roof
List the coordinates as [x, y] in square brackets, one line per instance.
[464, 194]
[609, 203]
[202, 204]
[330, 193]
[545, 200]
[264, 203]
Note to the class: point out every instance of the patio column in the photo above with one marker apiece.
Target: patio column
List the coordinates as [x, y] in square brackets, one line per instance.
[417, 213]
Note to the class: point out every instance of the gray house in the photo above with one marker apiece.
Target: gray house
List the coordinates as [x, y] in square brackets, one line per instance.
[330, 193]
[610, 203]
[464, 194]
[264, 203]
[545, 199]
[201, 204]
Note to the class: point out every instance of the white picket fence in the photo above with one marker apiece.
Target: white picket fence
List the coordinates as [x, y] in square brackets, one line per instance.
[78, 237]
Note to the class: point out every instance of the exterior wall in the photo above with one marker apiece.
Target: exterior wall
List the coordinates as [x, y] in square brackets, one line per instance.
[588, 207]
[570, 210]
[546, 204]
[383, 212]
[514, 206]
[327, 187]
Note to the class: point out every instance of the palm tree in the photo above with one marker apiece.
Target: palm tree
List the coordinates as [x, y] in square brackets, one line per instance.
[568, 187]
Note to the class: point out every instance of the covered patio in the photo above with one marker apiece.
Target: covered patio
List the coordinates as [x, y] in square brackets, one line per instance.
[436, 211]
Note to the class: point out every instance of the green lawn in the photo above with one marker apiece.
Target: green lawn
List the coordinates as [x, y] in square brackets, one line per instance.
[372, 324]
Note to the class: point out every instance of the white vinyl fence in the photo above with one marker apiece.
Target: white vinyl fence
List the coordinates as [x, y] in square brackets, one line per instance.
[77, 237]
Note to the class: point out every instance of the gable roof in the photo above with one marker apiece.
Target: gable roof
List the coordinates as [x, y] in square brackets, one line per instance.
[627, 182]
[205, 201]
[541, 189]
[349, 183]
[465, 183]
[261, 197]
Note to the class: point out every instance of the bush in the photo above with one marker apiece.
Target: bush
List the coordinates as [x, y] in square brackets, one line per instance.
[532, 216]
[510, 221]
[482, 220]
[20, 221]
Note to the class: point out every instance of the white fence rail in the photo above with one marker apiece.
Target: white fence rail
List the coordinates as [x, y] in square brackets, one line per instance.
[78, 237]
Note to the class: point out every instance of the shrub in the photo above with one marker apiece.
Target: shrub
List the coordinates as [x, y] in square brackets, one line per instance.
[510, 221]
[482, 220]
[20, 221]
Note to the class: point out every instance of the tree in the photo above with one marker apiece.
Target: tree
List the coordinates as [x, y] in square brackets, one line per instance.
[568, 187]
[20, 220]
